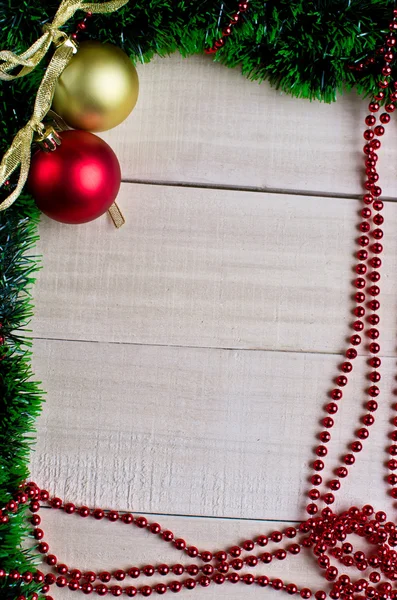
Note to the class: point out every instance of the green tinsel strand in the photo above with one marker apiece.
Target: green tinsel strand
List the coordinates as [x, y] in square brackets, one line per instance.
[305, 48]
[20, 397]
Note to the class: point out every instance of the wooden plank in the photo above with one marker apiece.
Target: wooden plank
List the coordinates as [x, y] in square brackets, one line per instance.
[199, 122]
[90, 545]
[197, 431]
[210, 268]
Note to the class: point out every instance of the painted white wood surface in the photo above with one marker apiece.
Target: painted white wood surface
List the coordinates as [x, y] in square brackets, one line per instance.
[198, 122]
[196, 431]
[186, 356]
[211, 268]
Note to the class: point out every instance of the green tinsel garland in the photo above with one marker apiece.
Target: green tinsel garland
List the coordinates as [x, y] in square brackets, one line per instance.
[305, 48]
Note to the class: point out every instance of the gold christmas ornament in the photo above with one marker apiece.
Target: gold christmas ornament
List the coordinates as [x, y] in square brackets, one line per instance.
[98, 89]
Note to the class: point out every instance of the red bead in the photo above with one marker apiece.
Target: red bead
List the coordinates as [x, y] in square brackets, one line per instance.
[89, 576]
[73, 585]
[277, 584]
[370, 120]
[61, 581]
[43, 548]
[84, 511]
[180, 569]
[374, 348]
[192, 569]
[378, 220]
[161, 588]
[341, 472]
[101, 589]
[328, 422]
[113, 516]
[356, 446]
[51, 560]
[363, 433]
[98, 514]
[163, 569]
[305, 593]
[373, 107]
[131, 591]
[56, 503]
[69, 508]
[237, 564]
[120, 574]
[384, 118]
[134, 572]
[262, 540]
[206, 556]
[248, 579]
[359, 298]
[180, 544]
[167, 536]
[329, 498]
[355, 340]
[279, 554]
[62, 569]
[331, 408]
[234, 578]
[189, 584]
[374, 305]
[223, 567]
[175, 586]
[145, 591]
[312, 509]
[266, 558]
[33, 506]
[351, 353]
[218, 578]
[235, 551]
[141, 522]
[262, 581]
[294, 549]
[334, 484]
[378, 205]
[331, 573]
[127, 518]
[205, 581]
[192, 551]
[248, 545]
[38, 534]
[372, 405]
[358, 326]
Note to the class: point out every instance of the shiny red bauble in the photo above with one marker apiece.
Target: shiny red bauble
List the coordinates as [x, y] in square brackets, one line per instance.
[77, 182]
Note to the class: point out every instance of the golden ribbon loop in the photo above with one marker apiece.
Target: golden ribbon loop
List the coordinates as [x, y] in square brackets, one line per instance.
[18, 155]
[29, 59]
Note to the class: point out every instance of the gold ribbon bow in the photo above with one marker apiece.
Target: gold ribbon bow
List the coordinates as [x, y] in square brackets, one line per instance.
[19, 152]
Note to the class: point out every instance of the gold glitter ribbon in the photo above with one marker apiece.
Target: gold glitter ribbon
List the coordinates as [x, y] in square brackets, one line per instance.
[18, 155]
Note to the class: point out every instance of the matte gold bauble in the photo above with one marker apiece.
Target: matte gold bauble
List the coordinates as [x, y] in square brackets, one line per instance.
[98, 89]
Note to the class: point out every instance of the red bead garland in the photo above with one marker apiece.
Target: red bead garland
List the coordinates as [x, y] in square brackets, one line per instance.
[324, 532]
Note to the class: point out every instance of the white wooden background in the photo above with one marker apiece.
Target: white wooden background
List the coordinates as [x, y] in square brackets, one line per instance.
[186, 357]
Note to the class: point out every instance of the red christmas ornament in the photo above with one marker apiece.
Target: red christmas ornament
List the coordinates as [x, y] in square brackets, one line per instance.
[78, 181]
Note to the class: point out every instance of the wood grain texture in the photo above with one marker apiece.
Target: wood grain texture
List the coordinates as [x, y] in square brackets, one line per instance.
[187, 356]
[195, 431]
[105, 546]
[210, 268]
[198, 122]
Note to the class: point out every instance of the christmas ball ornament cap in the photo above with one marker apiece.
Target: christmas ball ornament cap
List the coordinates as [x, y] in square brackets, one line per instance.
[77, 182]
[98, 89]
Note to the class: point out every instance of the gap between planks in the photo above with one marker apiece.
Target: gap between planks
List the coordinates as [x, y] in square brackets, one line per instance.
[258, 190]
